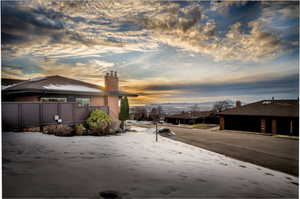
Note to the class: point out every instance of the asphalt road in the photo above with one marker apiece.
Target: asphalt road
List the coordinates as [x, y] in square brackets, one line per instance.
[276, 153]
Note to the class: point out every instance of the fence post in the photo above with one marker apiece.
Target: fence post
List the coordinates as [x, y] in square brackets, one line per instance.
[59, 108]
[73, 113]
[40, 114]
[20, 118]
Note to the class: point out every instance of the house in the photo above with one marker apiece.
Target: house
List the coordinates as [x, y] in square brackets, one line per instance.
[266, 116]
[61, 89]
[192, 117]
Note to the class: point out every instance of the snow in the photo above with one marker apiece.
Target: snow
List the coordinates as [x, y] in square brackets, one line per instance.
[132, 164]
[37, 79]
[8, 86]
[5, 87]
[71, 88]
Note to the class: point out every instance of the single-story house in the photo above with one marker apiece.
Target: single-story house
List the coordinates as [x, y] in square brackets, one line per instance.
[61, 89]
[266, 116]
[192, 118]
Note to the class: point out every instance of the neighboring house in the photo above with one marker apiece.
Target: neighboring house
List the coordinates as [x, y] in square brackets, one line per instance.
[266, 116]
[62, 89]
[5, 82]
[192, 118]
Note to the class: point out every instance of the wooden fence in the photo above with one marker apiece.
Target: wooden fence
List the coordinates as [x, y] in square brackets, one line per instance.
[19, 115]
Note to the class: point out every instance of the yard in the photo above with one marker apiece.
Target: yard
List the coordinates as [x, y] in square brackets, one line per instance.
[132, 165]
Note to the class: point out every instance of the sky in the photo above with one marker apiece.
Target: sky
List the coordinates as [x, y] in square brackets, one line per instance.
[164, 51]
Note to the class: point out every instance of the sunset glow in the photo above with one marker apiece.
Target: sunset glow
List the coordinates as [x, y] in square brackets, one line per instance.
[164, 51]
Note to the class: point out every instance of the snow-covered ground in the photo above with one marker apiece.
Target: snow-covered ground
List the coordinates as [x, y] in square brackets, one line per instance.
[132, 164]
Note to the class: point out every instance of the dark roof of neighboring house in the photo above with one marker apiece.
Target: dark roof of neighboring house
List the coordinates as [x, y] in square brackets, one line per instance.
[7, 81]
[186, 115]
[59, 85]
[277, 108]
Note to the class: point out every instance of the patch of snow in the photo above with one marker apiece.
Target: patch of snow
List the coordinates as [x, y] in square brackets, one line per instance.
[36, 79]
[8, 86]
[71, 88]
[5, 87]
[36, 164]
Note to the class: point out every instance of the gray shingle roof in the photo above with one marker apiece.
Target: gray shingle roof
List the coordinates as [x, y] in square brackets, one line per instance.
[60, 85]
[277, 108]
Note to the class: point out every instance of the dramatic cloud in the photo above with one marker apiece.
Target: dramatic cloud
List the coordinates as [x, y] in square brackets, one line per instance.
[152, 41]
[122, 26]
[272, 86]
[48, 67]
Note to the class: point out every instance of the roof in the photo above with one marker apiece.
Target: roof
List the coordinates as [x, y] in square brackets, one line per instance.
[7, 81]
[186, 115]
[59, 85]
[277, 108]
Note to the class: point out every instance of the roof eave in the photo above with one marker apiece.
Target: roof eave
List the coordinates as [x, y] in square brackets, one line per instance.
[121, 94]
[255, 115]
[39, 91]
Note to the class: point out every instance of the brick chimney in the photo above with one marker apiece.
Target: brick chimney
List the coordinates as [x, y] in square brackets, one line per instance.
[112, 101]
[111, 81]
[238, 103]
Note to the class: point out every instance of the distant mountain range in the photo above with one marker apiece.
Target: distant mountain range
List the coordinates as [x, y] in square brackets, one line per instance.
[171, 108]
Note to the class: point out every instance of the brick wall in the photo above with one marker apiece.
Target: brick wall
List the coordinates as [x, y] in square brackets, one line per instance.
[112, 84]
[97, 101]
[27, 99]
[113, 104]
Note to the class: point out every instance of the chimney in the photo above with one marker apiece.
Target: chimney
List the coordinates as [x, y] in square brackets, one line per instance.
[111, 81]
[238, 103]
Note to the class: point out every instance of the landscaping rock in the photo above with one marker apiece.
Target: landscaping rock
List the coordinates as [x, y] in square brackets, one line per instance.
[115, 127]
[32, 129]
[63, 130]
[49, 129]
[166, 132]
[79, 129]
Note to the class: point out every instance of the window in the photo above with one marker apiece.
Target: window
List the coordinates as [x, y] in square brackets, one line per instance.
[83, 102]
[53, 99]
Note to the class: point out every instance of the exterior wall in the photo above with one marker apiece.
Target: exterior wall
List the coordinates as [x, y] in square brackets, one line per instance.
[222, 123]
[271, 125]
[27, 99]
[262, 125]
[274, 127]
[97, 101]
[114, 109]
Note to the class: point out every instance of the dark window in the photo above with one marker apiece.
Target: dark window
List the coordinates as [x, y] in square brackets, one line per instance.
[83, 102]
[53, 99]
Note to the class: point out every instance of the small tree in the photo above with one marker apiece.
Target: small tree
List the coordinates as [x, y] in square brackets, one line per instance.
[140, 114]
[221, 106]
[195, 109]
[124, 112]
[160, 112]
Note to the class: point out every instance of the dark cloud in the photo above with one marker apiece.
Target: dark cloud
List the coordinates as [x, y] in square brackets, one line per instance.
[287, 84]
[21, 24]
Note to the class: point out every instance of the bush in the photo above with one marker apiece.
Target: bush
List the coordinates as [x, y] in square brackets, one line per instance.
[98, 122]
[63, 130]
[79, 129]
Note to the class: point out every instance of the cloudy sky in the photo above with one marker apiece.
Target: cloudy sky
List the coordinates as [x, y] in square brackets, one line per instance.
[166, 51]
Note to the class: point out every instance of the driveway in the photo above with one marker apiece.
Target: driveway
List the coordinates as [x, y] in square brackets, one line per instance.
[273, 152]
[131, 165]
